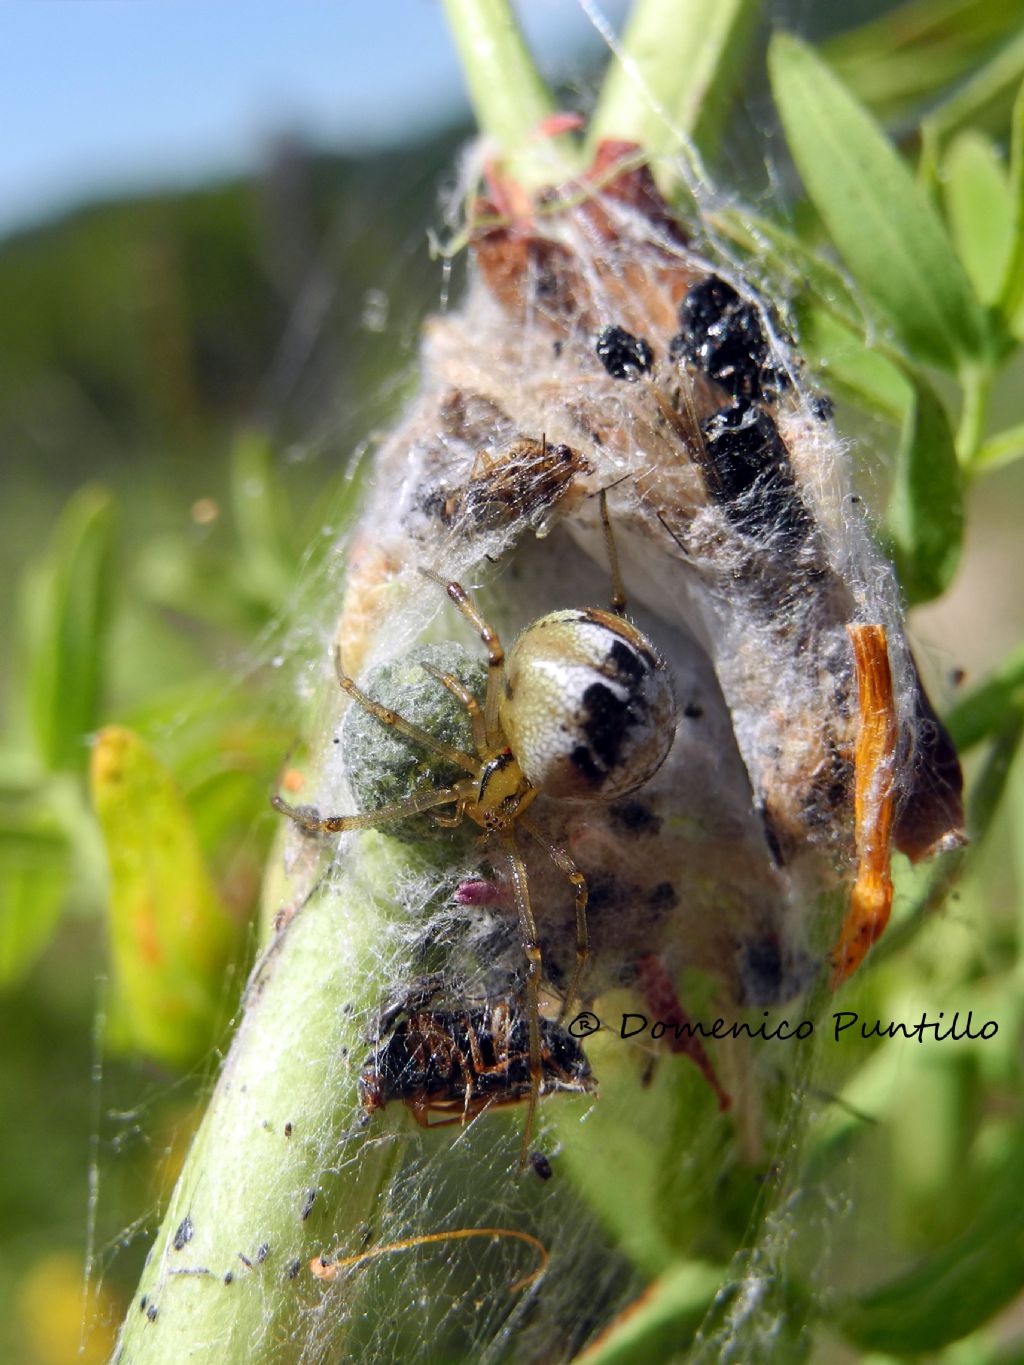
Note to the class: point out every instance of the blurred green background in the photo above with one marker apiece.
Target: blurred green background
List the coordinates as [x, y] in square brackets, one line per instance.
[149, 437]
[184, 377]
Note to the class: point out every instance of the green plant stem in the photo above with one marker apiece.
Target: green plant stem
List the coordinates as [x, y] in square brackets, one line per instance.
[1002, 449]
[509, 96]
[977, 386]
[982, 713]
[269, 1182]
[680, 61]
[1012, 292]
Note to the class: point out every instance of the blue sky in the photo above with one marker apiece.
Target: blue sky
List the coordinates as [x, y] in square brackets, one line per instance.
[103, 95]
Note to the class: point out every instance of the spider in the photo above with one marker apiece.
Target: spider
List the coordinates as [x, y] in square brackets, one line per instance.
[581, 710]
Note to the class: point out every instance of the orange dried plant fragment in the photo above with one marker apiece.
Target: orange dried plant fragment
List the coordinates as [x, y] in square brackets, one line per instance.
[874, 775]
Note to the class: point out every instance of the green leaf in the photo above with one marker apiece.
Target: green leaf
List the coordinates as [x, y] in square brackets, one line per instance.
[915, 51]
[984, 710]
[979, 209]
[994, 83]
[238, 589]
[1011, 296]
[35, 869]
[884, 227]
[682, 61]
[954, 1290]
[203, 585]
[171, 937]
[925, 517]
[989, 786]
[849, 368]
[631, 1176]
[68, 603]
[668, 1314]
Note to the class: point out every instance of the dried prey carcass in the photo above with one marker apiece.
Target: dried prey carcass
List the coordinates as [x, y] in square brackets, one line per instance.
[449, 1065]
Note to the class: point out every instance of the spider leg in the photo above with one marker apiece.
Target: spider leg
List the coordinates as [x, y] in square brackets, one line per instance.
[531, 948]
[465, 696]
[310, 819]
[618, 591]
[495, 652]
[453, 820]
[564, 863]
[405, 728]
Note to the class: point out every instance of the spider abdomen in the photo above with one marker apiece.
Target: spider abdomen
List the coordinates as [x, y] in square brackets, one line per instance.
[587, 706]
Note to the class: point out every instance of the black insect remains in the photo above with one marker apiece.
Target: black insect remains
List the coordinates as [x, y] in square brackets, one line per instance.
[723, 336]
[623, 355]
[449, 1065]
[747, 470]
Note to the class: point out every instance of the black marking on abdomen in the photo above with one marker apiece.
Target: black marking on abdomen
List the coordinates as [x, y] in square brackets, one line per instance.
[625, 639]
[607, 720]
[626, 662]
[583, 761]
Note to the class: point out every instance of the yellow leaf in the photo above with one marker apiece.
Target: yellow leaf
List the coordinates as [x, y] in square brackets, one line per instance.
[170, 935]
